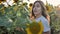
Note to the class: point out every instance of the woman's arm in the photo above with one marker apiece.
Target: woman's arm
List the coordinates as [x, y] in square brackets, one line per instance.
[46, 27]
[48, 18]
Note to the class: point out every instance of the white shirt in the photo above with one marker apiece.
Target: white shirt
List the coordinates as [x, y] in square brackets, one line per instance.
[44, 22]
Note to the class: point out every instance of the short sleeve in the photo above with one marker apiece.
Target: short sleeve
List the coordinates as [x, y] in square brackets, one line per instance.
[46, 26]
[44, 22]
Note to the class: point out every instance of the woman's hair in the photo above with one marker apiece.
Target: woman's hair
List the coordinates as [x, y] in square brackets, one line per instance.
[42, 7]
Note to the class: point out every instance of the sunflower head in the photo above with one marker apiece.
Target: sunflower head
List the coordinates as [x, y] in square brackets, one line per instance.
[35, 28]
[15, 1]
[30, 4]
[2, 1]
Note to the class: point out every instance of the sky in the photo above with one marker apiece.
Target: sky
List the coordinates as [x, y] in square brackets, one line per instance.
[52, 2]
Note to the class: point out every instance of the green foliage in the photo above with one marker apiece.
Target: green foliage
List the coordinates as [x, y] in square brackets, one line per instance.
[55, 22]
[17, 16]
[14, 16]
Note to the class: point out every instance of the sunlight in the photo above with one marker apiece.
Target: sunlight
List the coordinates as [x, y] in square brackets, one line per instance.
[53, 2]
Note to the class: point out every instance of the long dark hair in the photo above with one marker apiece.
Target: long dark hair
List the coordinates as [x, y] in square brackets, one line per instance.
[42, 7]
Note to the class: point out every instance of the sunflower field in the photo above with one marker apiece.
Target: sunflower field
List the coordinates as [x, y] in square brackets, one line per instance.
[14, 19]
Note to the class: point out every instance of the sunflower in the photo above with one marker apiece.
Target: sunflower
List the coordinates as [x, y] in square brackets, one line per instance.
[30, 6]
[35, 28]
[2, 1]
[15, 1]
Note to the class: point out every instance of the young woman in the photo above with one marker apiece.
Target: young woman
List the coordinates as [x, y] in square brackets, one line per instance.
[39, 14]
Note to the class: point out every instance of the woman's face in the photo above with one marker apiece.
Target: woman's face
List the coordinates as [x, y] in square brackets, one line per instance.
[37, 9]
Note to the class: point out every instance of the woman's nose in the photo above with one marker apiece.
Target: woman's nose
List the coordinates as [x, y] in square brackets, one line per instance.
[35, 9]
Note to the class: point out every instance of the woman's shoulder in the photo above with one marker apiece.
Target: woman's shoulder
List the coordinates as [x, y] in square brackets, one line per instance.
[43, 18]
[44, 21]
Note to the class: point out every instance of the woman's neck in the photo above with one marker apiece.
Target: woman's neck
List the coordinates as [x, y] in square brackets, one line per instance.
[37, 16]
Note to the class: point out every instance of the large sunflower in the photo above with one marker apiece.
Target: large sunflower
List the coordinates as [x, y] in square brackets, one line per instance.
[35, 28]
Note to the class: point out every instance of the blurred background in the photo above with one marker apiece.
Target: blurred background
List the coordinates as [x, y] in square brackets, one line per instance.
[14, 15]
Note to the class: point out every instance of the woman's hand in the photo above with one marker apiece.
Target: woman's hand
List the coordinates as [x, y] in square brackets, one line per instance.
[31, 17]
